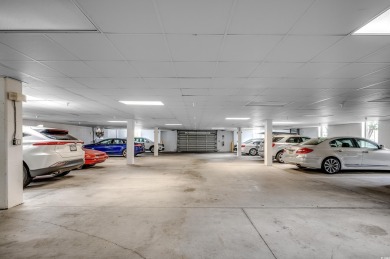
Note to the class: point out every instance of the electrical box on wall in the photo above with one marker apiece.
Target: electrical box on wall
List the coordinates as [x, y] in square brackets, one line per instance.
[17, 97]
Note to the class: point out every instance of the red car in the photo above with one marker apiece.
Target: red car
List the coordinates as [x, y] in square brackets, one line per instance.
[92, 157]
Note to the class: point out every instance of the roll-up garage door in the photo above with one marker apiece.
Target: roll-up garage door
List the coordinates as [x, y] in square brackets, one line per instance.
[197, 141]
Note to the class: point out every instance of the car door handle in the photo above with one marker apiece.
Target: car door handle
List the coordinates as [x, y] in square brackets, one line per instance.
[365, 152]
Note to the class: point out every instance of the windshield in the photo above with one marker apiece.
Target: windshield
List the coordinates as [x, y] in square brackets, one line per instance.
[314, 141]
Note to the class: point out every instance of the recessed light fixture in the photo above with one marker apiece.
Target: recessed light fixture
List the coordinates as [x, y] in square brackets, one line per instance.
[117, 121]
[283, 122]
[242, 119]
[32, 98]
[173, 124]
[378, 26]
[142, 102]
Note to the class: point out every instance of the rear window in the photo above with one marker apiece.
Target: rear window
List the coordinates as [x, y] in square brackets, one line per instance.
[57, 134]
[314, 141]
[276, 139]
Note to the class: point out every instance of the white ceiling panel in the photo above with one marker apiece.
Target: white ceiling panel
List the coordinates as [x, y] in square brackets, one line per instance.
[141, 47]
[128, 82]
[228, 82]
[87, 46]
[46, 15]
[113, 68]
[122, 16]
[5, 71]
[301, 48]
[195, 82]
[248, 47]
[72, 68]
[32, 68]
[264, 17]
[262, 82]
[235, 69]
[335, 17]
[36, 46]
[381, 55]
[7, 53]
[276, 69]
[357, 70]
[195, 91]
[353, 48]
[200, 17]
[163, 83]
[64, 82]
[154, 69]
[94, 82]
[194, 47]
[316, 70]
[195, 69]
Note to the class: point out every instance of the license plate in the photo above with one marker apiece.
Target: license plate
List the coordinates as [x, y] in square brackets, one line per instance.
[73, 147]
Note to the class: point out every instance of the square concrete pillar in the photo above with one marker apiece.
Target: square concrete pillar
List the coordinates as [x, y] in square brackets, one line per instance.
[130, 142]
[268, 143]
[11, 156]
[155, 141]
[239, 141]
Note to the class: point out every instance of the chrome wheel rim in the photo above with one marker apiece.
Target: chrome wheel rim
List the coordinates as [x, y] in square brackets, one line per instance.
[252, 152]
[331, 166]
[280, 159]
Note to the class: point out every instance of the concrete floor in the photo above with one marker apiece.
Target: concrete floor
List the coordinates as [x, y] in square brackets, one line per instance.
[200, 206]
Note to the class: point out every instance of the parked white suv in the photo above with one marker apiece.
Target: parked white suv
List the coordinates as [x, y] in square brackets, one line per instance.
[49, 151]
[149, 144]
[280, 142]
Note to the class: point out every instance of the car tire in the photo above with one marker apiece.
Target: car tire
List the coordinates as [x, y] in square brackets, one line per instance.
[61, 174]
[27, 179]
[152, 149]
[331, 165]
[124, 153]
[252, 152]
[279, 157]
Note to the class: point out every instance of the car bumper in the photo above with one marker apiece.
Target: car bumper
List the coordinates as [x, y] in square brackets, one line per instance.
[303, 161]
[60, 167]
[93, 161]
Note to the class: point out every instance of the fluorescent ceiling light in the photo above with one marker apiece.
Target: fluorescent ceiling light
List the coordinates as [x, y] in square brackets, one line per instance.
[269, 104]
[316, 115]
[381, 100]
[32, 98]
[379, 26]
[242, 119]
[142, 102]
[117, 121]
[173, 124]
[283, 122]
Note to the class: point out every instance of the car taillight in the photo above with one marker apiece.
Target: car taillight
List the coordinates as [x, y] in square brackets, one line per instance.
[138, 145]
[273, 144]
[242, 145]
[303, 151]
[52, 143]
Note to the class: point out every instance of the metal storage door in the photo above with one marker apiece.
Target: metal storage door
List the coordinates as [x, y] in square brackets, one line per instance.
[197, 141]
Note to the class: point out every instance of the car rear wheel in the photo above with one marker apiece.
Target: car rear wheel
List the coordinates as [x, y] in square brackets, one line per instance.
[61, 174]
[331, 165]
[279, 157]
[124, 153]
[253, 152]
[26, 176]
[152, 149]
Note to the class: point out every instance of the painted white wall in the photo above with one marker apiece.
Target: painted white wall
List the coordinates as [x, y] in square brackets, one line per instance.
[352, 129]
[248, 134]
[169, 139]
[224, 140]
[311, 132]
[11, 157]
[383, 133]
[83, 133]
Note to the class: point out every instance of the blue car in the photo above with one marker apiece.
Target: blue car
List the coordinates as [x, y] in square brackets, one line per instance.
[116, 147]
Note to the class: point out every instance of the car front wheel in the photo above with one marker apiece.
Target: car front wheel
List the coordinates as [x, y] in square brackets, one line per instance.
[331, 165]
[152, 149]
[26, 176]
[253, 152]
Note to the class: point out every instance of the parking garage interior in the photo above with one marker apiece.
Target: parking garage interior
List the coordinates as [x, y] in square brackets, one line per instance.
[199, 78]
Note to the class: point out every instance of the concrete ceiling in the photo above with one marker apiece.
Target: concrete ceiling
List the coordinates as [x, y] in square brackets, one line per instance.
[295, 62]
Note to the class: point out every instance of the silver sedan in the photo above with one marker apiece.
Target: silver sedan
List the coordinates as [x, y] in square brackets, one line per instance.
[339, 153]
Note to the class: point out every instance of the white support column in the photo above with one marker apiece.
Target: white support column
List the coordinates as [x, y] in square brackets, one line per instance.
[239, 141]
[155, 141]
[268, 143]
[11, 156]
[130, 141]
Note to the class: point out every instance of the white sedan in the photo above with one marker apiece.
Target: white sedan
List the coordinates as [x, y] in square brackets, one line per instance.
[339, 153]
[49, 151]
